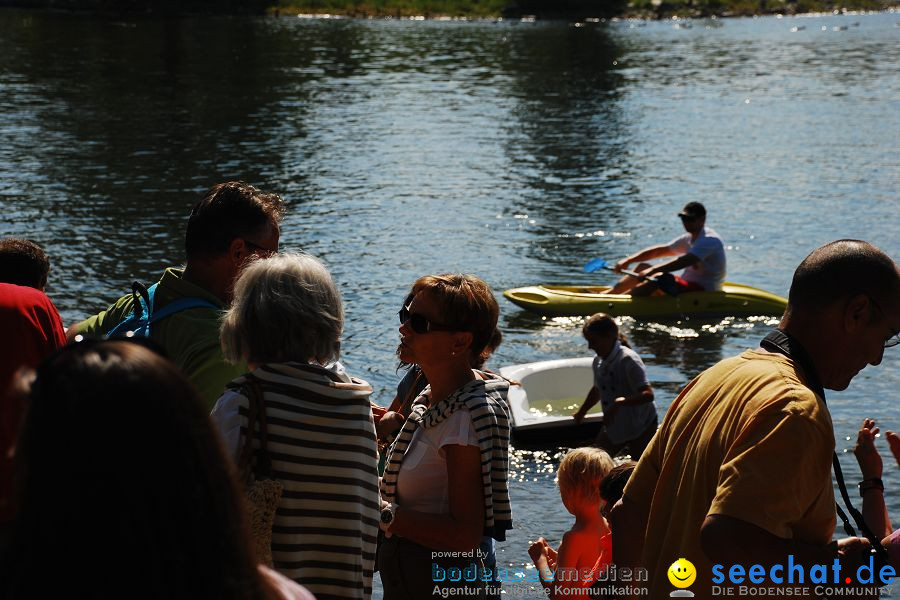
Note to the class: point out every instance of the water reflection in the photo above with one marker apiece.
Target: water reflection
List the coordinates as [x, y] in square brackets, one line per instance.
[569, 142]
[515, 152]
[685, 348]
[147, 117]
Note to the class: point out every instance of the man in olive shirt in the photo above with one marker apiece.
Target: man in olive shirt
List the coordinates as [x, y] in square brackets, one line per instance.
[232, 224]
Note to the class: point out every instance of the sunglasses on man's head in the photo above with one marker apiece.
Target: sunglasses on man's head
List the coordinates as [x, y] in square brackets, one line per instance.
[419, 323]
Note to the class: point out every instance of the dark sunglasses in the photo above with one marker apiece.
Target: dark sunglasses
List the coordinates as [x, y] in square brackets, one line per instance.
[419, 323]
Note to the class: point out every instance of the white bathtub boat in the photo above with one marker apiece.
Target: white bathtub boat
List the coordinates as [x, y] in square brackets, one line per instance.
[542, 406]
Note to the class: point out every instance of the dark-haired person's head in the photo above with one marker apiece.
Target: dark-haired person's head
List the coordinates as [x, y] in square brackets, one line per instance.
[233, 224]
[693, 217]
[120, 471]
[601, 332]
[844, 305]
[23, 262]
[613, 485]
[600, 324]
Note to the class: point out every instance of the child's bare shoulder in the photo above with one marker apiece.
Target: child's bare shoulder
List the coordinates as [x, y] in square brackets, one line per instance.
[579, 535]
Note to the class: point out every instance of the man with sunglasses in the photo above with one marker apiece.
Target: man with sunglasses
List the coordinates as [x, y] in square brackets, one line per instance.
[699, 251]
[233, 224]
[740, 471]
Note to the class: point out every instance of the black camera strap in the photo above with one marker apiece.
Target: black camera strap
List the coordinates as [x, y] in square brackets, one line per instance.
[781, 342]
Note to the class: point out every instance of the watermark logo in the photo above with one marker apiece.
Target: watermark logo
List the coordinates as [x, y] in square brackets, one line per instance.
[681, 575]
[800, 580]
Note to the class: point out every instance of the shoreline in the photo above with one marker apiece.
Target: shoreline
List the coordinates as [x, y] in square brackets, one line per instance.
[490, 10]
[664, 11]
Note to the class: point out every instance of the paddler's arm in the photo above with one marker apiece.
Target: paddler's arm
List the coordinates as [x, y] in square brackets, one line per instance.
[682, 262]
[649, 253]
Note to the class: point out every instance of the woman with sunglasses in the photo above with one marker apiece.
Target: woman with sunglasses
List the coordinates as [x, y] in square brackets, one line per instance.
[124, 489]
[445, 483]
[389, 421]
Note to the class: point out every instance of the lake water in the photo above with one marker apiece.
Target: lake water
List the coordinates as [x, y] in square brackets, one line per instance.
[516, 151]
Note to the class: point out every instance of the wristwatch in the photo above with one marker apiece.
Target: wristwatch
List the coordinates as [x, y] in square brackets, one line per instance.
[387, 514]
[874, 483]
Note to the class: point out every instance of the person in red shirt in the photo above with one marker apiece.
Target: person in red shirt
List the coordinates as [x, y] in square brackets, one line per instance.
[32, 331]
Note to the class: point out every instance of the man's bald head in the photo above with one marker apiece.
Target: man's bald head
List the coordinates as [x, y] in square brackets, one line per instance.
[841, 269]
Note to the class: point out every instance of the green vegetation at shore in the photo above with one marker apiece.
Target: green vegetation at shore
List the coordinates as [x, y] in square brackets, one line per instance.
[571, 9]
[396, 8]
[486, 9]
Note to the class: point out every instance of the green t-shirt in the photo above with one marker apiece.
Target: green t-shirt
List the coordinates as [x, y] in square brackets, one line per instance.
[190, 337]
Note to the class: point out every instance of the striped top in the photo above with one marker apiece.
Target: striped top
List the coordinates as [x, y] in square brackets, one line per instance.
[321, 439]
[486, 401]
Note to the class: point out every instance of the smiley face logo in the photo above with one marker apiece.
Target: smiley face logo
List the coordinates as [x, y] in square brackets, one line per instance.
[682, 573]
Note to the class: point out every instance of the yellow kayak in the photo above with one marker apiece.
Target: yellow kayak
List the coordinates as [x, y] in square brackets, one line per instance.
[571, 300]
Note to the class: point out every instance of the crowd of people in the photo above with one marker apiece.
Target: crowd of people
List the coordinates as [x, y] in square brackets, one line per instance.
[201, 439]
[271, 459]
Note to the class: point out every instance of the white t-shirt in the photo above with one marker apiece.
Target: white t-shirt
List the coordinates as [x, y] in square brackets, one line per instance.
[623, 374]
[708, 247]
[422, 482]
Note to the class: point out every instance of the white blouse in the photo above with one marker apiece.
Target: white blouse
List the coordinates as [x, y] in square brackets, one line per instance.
[422, 482]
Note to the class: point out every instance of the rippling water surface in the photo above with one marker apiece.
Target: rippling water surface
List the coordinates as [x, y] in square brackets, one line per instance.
[514, 151]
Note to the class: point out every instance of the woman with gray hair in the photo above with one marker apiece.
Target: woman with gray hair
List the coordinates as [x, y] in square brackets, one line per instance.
[285, 322]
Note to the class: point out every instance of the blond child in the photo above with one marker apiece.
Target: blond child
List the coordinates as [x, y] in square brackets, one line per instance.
[586, 548]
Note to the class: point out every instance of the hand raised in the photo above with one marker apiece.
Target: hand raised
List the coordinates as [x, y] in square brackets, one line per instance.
[866, 453]
[538, 549]
[894, 442]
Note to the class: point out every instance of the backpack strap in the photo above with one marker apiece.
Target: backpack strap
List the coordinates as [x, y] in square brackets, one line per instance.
[177, 306]
[143, 305]
[143, 298]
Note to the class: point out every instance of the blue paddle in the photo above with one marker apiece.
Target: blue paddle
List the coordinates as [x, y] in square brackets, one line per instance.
[601, 263]
[666, 284]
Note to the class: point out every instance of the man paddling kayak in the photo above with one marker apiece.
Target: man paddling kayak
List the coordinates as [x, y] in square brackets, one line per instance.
[699, 252]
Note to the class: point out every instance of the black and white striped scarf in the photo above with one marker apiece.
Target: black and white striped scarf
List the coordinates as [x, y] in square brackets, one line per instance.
[486, 401]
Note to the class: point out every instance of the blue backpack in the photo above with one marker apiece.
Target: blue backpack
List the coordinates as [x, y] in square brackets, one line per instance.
[144, 316]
